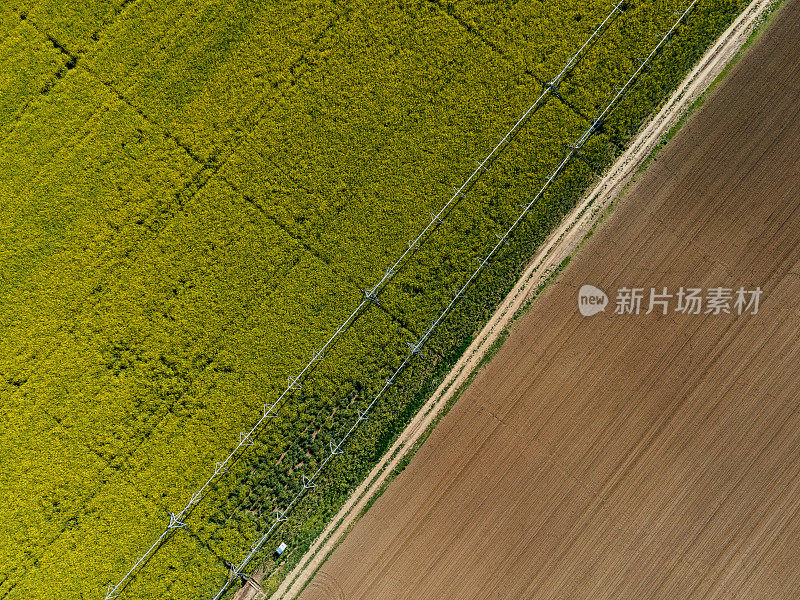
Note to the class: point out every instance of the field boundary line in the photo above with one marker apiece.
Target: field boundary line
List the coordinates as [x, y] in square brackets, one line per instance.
[561, 244]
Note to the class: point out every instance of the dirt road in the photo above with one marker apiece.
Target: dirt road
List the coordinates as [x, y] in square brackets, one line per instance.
[561, 244]
[630, 456]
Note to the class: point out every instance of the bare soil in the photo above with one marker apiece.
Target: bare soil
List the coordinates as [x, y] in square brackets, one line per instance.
[630, 456]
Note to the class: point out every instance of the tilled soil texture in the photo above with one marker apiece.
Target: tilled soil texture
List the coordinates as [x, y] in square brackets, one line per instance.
[630, 456]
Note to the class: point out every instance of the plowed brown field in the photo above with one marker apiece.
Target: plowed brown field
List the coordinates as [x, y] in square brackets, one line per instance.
[630, 456]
